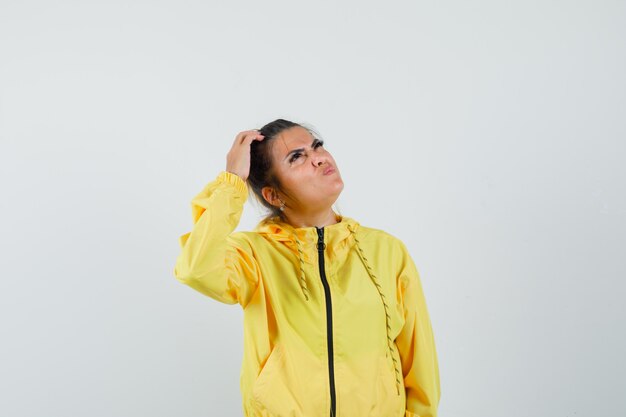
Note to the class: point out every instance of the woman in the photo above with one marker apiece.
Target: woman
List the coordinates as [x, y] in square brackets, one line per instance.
[335, 321]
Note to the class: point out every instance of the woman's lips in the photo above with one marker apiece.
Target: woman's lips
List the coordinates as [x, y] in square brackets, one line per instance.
[329, 170]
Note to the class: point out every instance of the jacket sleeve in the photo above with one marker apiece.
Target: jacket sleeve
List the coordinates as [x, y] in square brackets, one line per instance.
[213, 260]
[416, 345]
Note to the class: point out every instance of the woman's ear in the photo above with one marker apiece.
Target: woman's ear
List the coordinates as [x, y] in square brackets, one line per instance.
[271, 196]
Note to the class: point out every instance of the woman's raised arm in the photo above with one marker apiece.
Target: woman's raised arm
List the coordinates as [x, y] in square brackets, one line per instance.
[213, 261]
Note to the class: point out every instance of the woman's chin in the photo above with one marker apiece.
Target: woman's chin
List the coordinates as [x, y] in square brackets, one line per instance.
[340, 186]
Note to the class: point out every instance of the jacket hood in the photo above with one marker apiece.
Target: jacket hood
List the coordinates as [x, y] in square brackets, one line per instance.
[335, 235]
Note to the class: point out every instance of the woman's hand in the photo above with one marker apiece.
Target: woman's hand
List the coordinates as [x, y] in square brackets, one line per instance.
[238, 158]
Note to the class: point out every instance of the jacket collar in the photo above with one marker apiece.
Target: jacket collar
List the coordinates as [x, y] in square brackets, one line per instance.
[336, 236]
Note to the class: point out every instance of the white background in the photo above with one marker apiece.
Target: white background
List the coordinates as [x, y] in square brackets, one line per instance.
[488, 135]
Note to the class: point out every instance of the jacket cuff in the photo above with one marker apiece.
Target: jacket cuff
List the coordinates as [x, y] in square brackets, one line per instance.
[235, 180]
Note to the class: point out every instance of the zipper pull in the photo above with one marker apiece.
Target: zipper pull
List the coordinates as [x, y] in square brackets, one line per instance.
[320, 242]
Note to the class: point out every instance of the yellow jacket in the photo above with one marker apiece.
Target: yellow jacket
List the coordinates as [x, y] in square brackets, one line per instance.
[335, 320]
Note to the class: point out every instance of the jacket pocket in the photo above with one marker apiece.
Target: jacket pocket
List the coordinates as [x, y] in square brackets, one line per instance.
[277, 391]
[267, 374]
[394, 404]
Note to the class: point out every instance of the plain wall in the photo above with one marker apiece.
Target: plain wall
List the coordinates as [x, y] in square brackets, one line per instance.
[489, 136]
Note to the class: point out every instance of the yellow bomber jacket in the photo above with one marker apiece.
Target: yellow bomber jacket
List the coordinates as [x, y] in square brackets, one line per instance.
[335, 320]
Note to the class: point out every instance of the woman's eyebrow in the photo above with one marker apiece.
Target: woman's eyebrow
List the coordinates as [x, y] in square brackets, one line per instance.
[315, 141]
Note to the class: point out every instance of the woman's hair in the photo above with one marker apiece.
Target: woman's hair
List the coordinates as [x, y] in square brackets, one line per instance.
[261, 168]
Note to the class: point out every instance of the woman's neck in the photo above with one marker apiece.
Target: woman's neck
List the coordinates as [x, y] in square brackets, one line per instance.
[322, 219]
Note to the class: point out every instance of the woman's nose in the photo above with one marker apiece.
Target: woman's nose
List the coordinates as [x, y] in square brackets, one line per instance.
[318, 160]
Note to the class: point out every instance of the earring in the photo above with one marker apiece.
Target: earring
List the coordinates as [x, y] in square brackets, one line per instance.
[282, 205]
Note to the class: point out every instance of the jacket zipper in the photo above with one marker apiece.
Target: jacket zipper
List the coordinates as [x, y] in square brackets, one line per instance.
[329, 320]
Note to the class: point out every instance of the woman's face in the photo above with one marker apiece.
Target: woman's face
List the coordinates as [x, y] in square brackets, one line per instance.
[306, 171]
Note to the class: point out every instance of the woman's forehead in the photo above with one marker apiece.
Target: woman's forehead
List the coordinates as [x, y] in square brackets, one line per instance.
[293, 138]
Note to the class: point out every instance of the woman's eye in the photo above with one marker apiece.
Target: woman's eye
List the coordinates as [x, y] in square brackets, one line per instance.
[299, 154]
[295, 156]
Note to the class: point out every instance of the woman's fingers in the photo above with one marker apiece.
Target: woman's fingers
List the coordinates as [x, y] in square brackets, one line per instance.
[255, 135]
[238, 158]
[247, 136]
